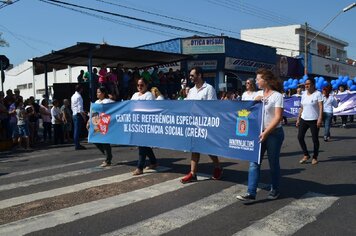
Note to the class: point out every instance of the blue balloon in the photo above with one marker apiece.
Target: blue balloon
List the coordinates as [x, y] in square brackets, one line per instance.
[335, 86]
[325, 83]
[346, 77]
[321, 79]
[305, 77]
[301, 81]
[344, 81]
[353, 88]
[340, 77]
[350, 83]
[355, 80]
[290, 80]
[332, 82]
[285, 83]
[295, 81]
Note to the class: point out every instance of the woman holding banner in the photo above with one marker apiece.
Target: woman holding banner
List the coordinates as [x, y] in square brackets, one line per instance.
[272, 135]
[143, 94]
[105, 148]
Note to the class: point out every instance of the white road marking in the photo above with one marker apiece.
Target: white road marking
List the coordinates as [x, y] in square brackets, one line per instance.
[69, 189]
[26, 172]
[181, 216]
[291, 218]
[71, 214]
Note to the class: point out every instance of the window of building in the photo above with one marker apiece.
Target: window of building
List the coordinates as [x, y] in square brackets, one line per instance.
[22, 86]
[29, 85]
[323, 50]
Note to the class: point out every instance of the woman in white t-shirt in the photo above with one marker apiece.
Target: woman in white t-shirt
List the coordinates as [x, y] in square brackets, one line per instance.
[272, 135]
[329, 102]
[250, 93]
[310, 117]
[143, 94]
[105, 148]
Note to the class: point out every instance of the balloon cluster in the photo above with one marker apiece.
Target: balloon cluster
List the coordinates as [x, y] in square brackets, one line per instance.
[320, 83]
[344, 80]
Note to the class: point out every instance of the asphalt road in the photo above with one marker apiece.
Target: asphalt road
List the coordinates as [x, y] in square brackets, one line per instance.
[55, 190]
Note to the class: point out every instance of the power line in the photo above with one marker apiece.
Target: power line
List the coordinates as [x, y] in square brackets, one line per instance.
[116, 21]
[169, 17]
[133, 18]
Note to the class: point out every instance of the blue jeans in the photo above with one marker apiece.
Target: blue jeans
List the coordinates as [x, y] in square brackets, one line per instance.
[142, 153]
[327, 123]
[78, 122]
[272, 145]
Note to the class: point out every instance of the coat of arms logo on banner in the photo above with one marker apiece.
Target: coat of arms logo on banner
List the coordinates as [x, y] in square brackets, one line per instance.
[242, 124]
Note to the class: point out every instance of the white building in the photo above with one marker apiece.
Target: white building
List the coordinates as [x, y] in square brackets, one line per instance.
[327, 54]
[23, 78]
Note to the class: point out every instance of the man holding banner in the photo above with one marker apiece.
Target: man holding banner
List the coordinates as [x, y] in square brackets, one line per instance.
[200, 91]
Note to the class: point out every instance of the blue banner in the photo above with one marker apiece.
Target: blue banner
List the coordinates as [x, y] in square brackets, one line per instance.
[223, 128]
[347, 105]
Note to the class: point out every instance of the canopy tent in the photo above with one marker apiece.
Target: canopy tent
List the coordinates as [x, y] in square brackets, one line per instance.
[89, 54]
[82, 53]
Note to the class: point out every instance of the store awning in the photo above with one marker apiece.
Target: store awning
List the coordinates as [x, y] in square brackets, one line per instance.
[78, 55]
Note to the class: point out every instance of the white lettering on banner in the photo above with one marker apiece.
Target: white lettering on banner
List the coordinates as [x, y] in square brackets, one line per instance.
[123, 118]
[164, 124]
[247, 145]
[294, 110]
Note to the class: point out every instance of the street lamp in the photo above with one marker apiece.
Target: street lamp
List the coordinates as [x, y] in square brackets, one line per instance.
[306, 43]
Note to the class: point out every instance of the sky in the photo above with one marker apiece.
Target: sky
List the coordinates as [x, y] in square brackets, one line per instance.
[34, 28]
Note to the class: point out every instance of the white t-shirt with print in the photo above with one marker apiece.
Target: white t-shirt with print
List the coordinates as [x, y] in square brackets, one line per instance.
[270, 103]
[146, 96]
[310, 104]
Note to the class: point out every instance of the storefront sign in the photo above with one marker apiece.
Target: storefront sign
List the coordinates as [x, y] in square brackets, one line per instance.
[203, 45]
[326, 67]
[206, 65]
[245, 65]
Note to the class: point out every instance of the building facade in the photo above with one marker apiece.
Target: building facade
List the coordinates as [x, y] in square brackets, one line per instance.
[227, 62]
[327, 55]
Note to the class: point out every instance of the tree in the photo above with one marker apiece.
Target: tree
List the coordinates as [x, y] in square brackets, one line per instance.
[3, 42]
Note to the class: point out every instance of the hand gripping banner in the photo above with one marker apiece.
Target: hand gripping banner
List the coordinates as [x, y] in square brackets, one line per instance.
[223, 128]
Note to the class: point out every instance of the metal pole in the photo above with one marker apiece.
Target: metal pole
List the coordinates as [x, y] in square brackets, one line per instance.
[306, 49]
[2, 84]
[46, 81]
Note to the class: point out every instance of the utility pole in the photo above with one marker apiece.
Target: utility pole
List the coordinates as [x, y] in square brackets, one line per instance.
[306, 49]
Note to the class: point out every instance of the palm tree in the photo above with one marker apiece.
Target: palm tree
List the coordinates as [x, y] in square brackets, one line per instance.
[3, 42]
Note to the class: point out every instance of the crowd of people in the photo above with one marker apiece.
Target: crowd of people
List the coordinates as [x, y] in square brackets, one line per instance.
[21, 119]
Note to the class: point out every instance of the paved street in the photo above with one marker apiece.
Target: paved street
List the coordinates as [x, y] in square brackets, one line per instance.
[59, 191]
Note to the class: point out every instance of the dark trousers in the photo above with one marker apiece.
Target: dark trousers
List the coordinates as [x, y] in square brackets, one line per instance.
[142, 153]
[78, 122]
[303, 127]
[58, 133]
[105, 148]
[47, 131]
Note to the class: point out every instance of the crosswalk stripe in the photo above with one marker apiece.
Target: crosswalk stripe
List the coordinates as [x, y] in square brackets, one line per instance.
[181, 216]
[178, 217]
[291, 218]
[70, 189]
[71, 214]
[31, 156]
[51, 178]
[26, 172]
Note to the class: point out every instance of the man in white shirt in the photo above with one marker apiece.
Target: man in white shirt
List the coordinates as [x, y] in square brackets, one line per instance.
[78, 115]
[201, 91]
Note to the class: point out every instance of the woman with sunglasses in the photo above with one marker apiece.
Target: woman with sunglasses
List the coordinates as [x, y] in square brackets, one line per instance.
[310, 117]
[144, 94]
[250, 93]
